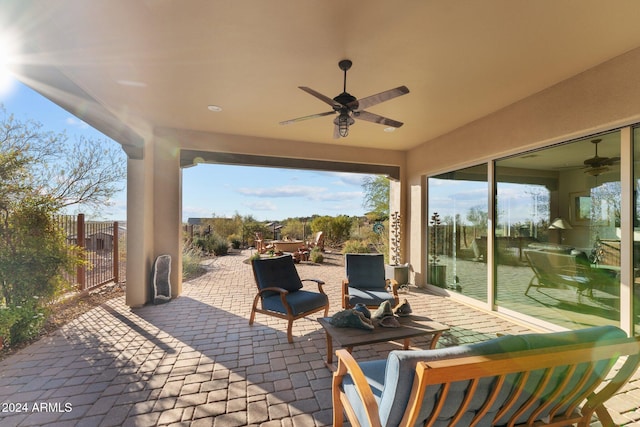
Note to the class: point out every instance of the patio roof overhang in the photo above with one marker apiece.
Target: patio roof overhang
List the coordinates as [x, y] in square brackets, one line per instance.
[129, 67]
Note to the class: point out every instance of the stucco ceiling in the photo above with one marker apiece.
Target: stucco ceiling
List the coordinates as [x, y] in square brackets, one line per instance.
[129, 66]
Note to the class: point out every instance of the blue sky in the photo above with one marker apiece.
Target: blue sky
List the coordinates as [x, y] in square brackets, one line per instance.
[208, 190]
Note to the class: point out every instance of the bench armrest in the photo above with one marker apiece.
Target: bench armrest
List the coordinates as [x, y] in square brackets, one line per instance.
[348, 365]
[595, 402]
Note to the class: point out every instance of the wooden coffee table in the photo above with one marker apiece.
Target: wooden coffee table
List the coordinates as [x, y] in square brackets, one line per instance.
[411, 326]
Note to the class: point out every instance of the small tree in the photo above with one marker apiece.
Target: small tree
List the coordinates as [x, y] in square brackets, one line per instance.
[376, 195]
[337, 230]
[293, 229]
[41, 173]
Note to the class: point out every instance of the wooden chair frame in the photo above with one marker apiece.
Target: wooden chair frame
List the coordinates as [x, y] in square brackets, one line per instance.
[288, 316]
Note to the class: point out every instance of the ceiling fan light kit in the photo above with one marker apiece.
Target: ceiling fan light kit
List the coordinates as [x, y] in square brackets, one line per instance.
[349, 108]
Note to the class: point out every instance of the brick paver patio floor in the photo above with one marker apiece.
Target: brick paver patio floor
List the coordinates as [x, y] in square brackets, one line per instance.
[196, 361]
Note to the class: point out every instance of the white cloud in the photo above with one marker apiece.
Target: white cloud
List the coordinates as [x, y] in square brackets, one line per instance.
[337, 196]
[282, 191]
[261, 206]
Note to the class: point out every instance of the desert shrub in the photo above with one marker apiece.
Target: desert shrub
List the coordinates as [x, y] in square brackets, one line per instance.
[220, 247]
[8, 316]
[355, 247]
[316, 255]
[213, 244]
[337, 230]
[191, 267]
[204, 244]
[235, 241]
[30, 318]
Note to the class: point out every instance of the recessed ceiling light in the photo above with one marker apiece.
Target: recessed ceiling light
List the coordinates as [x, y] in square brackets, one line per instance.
[390, 129]
[214, 108]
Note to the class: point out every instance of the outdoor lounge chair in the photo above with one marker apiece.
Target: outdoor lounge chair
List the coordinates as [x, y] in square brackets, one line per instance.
[366, 283]
[317, 241]
[560, 270]
[280, 292]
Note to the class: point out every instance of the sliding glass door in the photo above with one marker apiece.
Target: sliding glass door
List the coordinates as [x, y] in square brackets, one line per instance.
[457, 231]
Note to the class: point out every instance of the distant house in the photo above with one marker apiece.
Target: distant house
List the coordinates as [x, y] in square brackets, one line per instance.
[100, 240]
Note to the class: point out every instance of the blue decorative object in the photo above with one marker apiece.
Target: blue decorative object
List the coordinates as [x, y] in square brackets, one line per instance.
[378, 228]
[363, 309]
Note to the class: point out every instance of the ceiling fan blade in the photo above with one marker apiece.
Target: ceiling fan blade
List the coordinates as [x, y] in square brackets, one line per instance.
[320, 96]
[370, 117]
[312, 116]
[379, 97]
[598, 161]
[611, 161]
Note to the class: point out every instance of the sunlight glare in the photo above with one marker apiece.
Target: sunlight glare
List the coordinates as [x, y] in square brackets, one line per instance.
[7, 59]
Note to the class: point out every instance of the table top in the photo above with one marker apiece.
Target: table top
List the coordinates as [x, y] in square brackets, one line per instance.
[410, 326]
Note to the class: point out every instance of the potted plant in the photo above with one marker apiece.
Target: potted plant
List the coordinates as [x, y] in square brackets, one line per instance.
[437, 271]
[395, 270]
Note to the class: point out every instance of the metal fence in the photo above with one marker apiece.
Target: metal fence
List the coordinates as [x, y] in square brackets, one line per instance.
[104, 246]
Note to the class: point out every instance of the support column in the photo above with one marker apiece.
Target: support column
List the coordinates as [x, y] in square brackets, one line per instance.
[154, 206]
[167, 208]
[416, 230]
[139, 227]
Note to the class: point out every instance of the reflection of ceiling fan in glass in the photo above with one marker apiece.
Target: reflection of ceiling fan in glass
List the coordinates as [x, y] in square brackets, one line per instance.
[597, 165]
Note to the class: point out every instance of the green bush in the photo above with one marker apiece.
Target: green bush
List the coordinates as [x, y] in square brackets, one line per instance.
[30, 318]
[220, 247]
[355, 247]
[316, 256]
[8, 316]
[235, 241]
[213, 244]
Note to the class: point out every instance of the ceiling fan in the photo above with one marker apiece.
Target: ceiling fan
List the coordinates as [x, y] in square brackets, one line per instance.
[348, 107]
[597, 165]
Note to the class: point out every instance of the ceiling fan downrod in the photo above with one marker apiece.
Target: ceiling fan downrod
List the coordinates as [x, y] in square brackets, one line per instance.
[345, 65]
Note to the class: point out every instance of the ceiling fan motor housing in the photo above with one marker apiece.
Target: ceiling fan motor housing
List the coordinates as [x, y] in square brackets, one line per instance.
[344, 99]
[348, 106]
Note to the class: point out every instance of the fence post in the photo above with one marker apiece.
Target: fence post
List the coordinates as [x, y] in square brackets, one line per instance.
[116, 253]
[81, 274]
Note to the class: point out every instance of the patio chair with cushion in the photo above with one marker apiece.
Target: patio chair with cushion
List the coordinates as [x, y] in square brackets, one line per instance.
[280, 292]
[366, 282]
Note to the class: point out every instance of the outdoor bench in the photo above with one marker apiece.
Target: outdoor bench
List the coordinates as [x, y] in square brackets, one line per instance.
[555, 379]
